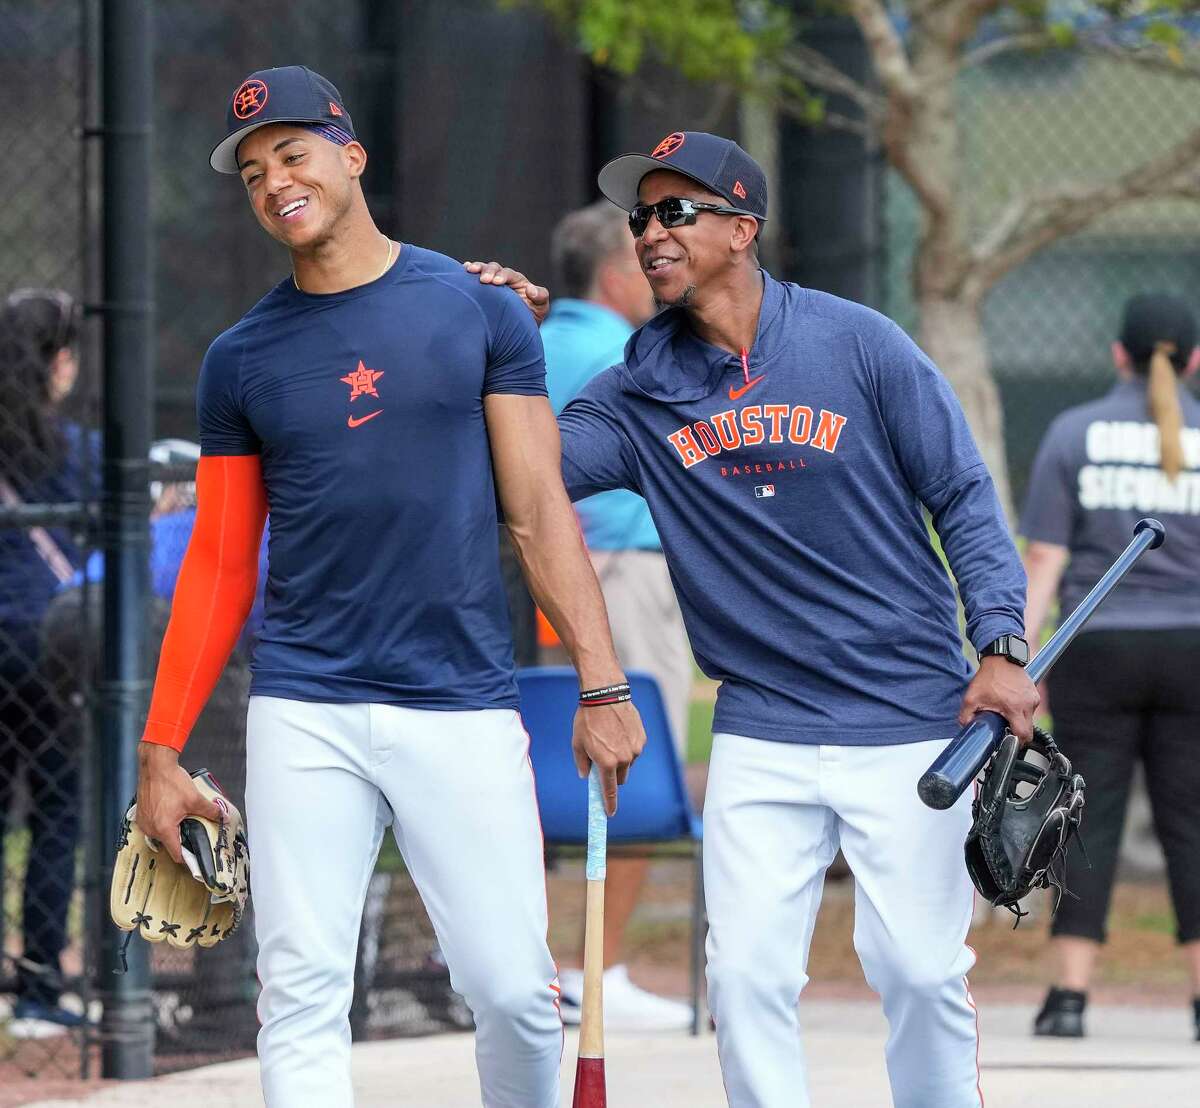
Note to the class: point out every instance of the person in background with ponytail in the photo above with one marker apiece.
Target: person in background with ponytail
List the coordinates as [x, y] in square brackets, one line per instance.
[1127, 689]
[44, 458]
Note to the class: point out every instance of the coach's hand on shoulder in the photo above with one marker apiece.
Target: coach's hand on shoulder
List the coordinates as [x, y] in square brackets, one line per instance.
[166, 796]
[537, 298]
[610, 736]
[1000, 686]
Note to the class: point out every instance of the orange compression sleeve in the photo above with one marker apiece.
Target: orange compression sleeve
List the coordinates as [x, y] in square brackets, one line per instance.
[212, 596]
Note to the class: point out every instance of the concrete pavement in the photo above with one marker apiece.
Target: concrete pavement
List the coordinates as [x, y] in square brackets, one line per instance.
[1133, 1057]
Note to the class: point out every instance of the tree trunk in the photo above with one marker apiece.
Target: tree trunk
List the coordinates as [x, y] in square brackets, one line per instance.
[951, 333]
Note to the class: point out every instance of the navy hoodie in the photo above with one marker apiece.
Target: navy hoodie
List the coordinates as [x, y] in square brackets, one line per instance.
[788, 493]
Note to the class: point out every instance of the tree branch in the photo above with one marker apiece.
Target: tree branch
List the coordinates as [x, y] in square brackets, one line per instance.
[1023, 40]
[1028, 225]
[1146, 58]
[798, 107]
[967, 15]
[1032, 41]
[886, 48]
[919, 10]
[814, 69]
[903, 102]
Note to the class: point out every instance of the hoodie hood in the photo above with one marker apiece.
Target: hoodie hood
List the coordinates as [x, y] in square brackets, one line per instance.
[665, 360]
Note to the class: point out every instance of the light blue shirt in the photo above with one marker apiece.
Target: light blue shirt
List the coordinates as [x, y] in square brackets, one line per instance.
[581, 339]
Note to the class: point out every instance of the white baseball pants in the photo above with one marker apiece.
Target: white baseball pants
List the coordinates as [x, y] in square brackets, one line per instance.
[774, 816]
[323, 782]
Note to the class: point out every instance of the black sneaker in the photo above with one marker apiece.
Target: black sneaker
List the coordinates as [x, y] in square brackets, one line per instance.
[1062, 1014]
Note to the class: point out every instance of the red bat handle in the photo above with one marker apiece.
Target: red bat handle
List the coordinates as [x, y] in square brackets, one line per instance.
[589, 1084]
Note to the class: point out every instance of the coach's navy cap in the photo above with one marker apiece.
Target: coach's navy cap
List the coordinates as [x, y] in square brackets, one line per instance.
[719, 164]
[289, 94]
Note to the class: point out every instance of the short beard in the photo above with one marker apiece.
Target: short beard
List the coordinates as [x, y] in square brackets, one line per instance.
[683, 300]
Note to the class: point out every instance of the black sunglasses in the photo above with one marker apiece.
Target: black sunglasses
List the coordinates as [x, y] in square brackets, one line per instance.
[676, 211]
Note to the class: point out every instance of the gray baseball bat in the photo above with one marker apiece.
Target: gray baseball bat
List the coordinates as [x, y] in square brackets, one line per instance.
[959, 764]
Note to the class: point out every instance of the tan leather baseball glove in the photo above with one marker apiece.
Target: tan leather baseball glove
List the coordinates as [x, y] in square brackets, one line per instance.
[198, 903]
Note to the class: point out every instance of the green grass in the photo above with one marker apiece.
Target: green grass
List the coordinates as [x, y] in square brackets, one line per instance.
[16, 860]
[1162, 923]
[16, 856]
[389, 856]
[699, 737]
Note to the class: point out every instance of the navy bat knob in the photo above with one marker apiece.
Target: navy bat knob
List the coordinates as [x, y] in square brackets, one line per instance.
[1148, 524]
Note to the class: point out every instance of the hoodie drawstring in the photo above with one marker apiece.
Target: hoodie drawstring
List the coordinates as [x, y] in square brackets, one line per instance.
[746, 364]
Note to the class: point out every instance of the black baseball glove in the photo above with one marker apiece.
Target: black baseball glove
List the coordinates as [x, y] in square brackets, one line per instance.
[1024, 816]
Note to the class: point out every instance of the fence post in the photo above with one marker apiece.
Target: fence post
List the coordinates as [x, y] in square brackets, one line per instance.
[127, 1030]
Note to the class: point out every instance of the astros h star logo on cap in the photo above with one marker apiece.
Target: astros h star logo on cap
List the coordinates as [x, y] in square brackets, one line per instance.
[250, 98]
[669, 145]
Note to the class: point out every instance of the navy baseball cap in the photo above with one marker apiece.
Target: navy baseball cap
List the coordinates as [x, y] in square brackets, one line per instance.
[719, 164]
[1155, 317]
[288, 94]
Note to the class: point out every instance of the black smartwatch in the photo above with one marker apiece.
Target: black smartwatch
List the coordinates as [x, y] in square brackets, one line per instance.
[1012, 647]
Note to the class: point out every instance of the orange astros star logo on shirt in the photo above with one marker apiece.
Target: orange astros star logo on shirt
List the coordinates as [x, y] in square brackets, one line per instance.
[362, 381]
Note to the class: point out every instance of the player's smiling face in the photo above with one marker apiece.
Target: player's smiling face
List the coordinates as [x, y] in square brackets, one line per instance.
[680, 261]
[299, 183]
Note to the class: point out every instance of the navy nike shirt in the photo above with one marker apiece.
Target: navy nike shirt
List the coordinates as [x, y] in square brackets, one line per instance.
[367, 408]
[789, 503]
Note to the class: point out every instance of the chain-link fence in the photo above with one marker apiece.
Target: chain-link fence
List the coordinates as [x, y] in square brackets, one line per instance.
[1033, 122]
[48, 456]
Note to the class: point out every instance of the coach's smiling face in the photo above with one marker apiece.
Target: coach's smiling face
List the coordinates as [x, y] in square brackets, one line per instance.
[300, 185]
[685, 263]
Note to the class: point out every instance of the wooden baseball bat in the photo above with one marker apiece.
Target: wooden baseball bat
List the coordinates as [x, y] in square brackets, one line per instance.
[959, 764]
[589, 1070]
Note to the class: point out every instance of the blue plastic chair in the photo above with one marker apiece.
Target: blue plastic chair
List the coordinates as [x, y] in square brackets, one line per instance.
[652, 806]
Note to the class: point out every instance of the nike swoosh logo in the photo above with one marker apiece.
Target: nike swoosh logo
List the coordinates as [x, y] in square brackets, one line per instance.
[737, 394]
[352, 422]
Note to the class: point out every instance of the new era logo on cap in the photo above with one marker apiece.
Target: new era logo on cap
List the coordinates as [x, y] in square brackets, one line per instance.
[718, 164]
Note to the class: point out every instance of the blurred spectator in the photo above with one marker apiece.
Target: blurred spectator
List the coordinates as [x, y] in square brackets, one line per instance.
[172, 517]
[1127, 688]
[44, 458]
[606, 298]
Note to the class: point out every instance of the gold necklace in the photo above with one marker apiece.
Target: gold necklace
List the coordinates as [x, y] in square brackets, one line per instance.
[386, 265]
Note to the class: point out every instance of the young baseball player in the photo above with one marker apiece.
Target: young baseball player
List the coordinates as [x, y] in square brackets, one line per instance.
[376, 401]
[788, 444]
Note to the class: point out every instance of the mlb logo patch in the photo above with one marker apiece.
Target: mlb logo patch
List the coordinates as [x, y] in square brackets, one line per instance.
[764, 490]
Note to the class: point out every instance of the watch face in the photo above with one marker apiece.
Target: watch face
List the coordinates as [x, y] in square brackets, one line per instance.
[1018, 649]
